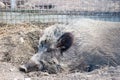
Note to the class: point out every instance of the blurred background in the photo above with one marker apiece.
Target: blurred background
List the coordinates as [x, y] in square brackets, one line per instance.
[44, 11]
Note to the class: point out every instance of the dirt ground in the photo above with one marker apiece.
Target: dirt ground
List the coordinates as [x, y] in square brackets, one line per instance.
[19, 42]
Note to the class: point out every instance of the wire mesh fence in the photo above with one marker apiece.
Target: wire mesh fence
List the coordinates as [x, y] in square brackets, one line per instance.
[18, 11]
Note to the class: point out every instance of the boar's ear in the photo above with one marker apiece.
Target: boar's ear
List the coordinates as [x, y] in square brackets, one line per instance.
[65, 42]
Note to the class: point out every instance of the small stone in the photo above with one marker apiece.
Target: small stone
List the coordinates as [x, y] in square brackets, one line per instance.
[27, 78]
[11, 70]
[45, 74]
[22, 40]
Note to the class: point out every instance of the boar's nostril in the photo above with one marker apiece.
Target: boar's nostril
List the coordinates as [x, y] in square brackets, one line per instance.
[23, 69]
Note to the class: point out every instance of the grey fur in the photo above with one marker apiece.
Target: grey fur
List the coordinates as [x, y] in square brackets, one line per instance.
[96, 44]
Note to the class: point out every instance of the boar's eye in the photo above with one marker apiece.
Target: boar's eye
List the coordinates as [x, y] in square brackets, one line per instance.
[45, 41]
[42, 43]
[45, 44]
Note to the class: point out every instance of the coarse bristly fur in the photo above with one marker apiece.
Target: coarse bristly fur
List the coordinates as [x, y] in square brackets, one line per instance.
[96, 44]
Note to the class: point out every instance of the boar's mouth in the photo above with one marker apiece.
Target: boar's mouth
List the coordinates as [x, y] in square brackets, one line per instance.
[52, 68]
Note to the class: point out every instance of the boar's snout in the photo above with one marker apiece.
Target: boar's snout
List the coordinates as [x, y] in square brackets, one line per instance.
[23, 68]
[30, 66]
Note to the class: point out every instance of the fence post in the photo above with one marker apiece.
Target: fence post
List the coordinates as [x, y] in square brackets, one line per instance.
[13, 4]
